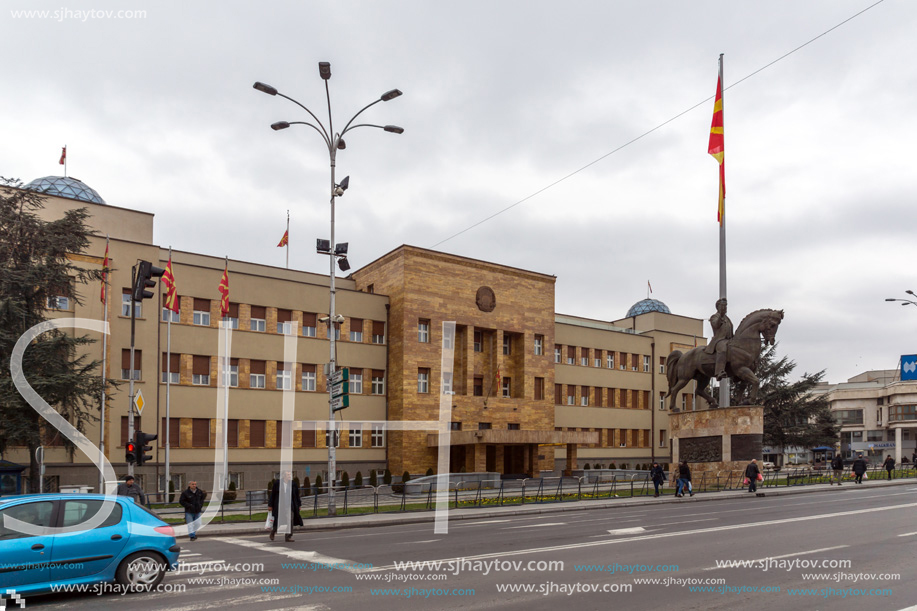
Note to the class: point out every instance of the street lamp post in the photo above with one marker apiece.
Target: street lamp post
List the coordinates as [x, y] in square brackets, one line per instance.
[905, 302]
[337, 252]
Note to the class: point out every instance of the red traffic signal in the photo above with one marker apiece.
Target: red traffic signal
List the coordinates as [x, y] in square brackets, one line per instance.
[130, 453]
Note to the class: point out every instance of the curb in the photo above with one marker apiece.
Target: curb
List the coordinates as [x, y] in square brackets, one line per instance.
[426, 516]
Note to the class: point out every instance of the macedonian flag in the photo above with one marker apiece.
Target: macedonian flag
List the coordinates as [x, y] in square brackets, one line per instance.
[717, 148]
[168, 281]
[224, 291]
[105, 273]
[285, 239]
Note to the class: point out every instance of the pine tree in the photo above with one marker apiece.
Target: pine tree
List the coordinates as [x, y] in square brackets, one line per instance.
[793, 415]
[373, 479]
[35, 264]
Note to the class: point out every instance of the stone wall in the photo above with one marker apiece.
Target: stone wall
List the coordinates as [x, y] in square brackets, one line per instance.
[737, 432]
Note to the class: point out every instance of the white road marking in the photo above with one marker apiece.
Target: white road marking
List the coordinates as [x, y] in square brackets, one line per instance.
[485, 522]
[908, 535]
[185, 554]
[627, 531]
[295, 554]
[536, 525]
[681, 533]
[811, 551]
[412, 542]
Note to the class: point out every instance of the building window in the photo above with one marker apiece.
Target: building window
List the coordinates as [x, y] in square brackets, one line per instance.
[258, 320]
[684, 402]
[257, 434]
[646, 364]
[479, 341]
[58, 302]
[200, 433]
[378, 436]
[355, 439]
[423, 380]
[170, 368]
[308, 378]
[308, 324]
[284, 322]
[202, 312]
[898, 413]
[126, 305]
[662, 365]
[512, 426]
[238, 480]
[337, 438]
[455, 426]
[875, 435]
[849, 416]
[610, 360]
[232, 317]
[662, 440]
[539, 345]
[571, 395]
[633, 361]
[478, 386]
[556, 354]
[507, 344]
[200, 372]
[507, 387]
[539, 389]
[128, 372]
[356, 381]
[256, 376]
[447, 383]
[584, 357]
[597, 359]
[337, 332]
[356, 329]
[378, 382]
[584, 396]
[378, 332]
[484, 426]
[662, 401]
[571, 355]
[234, 373]
[284, 379]
[170, 316]
[423, 331]
[558, 394]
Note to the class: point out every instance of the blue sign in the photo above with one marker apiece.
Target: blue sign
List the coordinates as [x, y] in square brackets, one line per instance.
[908, 367]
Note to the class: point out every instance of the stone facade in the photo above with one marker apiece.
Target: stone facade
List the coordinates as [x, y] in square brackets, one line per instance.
[722, 423]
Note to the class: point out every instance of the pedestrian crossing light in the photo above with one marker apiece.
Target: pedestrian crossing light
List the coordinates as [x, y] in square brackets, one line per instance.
[140, 441]
[146, 271]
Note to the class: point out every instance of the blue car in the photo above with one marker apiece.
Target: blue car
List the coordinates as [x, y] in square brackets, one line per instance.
[132, 546]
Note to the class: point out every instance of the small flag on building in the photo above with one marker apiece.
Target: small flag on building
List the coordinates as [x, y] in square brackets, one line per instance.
[285, 239]
[105, 273]
[168, 281]
[717, 148]
[224, 291]
[63, 156]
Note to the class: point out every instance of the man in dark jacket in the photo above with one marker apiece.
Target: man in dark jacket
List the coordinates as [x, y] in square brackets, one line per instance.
[129, 488]
[192, 499]
[285, 488]
[859, 468]
[751, 474]
[837, 465]
[657, 475]
[889, 465]
[684, 479]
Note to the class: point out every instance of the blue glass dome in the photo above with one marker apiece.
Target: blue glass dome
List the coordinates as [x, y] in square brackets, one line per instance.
[61, 186]
[647, 305]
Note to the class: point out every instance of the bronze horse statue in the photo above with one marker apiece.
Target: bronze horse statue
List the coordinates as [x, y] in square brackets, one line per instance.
[742, 358]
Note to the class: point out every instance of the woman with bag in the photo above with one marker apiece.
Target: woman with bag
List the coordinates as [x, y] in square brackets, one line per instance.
[859, 468]
[752, 475]
[657, 475]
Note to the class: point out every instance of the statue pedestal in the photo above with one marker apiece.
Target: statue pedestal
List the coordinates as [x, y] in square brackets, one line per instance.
[717, 440]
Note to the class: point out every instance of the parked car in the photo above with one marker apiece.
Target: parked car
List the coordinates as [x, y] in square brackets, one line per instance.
[132, 546]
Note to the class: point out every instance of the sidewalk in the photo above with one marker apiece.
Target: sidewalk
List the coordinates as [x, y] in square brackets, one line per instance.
[419, 517]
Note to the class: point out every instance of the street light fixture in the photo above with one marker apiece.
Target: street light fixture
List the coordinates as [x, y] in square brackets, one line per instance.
[334, 142]
[904, 302]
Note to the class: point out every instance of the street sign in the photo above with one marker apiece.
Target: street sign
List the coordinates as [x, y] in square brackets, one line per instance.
[340, 402]
[341, 375]
[139, 402]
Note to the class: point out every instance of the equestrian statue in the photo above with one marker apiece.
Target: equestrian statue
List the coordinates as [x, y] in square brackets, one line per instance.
[733, 355]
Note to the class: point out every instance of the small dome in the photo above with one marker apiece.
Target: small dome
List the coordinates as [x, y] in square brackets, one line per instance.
[62, 186]
[647, 305]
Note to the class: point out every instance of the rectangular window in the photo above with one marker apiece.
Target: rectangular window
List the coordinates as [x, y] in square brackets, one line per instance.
[355, 439]
[126, 305]
[308, 324]
[200, 433]
[484, 426]
[356, 329]
[284, 379]
[307, 440]
[662, 401]
[599, 396]
[200, 373]
[479, 341]
[170, 371]
[256, 376]
[507, 344]
[423, 330]
[662, 439]
[284, 322]
[356, 381]
[556, 354]
[610, 360]
[232, 317]
[646, 364]
[478, 386]
[597, 359]
[507, 387]
[337, 438]
[539, 345]
[584, 357]
[378, 382]
[170, 316]
[256, 434]
[584, 396]
[202, 312]
[128, 372]
[633, 361]
[58, 302]
[447, 383]
[233, 373]
[455, 426]
[174, 426]
[558, 394]
[232, 434]
[571, 355]
[848, 416]
[662, 365]
[378, 436]
[684, 402]
[308, 378]
[423, 380]
[512, 426]
[571, 394]
[258, 320]
[539, 389]
[378, 332]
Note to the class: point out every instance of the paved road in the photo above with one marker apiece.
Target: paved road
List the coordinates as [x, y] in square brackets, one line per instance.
[862, 538]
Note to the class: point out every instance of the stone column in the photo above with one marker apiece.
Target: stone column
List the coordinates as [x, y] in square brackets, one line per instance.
[480, 457]
[898, 445]
[571, 459]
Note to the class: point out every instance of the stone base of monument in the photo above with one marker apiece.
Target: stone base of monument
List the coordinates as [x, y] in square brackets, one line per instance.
[717, 442]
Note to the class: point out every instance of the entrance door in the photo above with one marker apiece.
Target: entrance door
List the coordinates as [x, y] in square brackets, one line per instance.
[456, 459]
[513, 460]
[491, 458]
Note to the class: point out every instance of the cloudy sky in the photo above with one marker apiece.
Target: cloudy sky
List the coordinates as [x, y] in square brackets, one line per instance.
[503, 99]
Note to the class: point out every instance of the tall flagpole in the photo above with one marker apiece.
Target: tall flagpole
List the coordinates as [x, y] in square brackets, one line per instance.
[225, 373]
[288, 239]
[104, 363]
[724, 383]
[169, 385]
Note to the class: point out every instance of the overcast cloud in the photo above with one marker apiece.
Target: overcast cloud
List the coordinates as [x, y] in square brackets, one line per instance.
[500, 100]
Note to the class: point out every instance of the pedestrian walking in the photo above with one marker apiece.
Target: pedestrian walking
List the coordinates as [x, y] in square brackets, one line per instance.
[684, 480]
[129, 488]
[192, 499]
[837, 465]
[751, 475]
[657, 475]
[859, 468]
[889, 465]
[281, 488]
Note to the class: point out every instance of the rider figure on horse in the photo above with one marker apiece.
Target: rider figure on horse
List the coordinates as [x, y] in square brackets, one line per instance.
[722, 333]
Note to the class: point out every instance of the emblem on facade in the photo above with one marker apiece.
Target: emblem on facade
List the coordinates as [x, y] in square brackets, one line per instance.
[486, 299]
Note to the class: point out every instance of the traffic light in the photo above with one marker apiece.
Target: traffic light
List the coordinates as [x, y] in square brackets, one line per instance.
[146, 271]
[130, 453]
[140, 441]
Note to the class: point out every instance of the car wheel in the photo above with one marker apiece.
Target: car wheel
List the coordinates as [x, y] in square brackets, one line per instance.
[141, 571]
